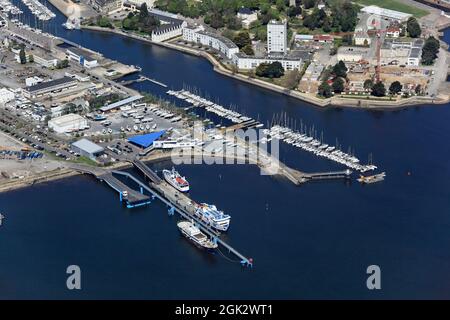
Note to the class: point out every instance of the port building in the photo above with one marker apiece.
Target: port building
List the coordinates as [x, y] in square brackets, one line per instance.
[68, 123]
[82, 57]
[87, 148]
[146, 140]
[49, 87]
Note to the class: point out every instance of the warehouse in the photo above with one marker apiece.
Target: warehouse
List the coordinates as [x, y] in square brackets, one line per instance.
[48, 87]
[68, 123]
[387, 14]
[87, 148]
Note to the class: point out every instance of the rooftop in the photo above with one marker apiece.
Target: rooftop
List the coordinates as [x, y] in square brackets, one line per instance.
[230, 44]
[245, 11]
[88, 146]
[51, 83]
[386, 12]
[66, 119]
[120, 103]
[82, 53]
[146, 140]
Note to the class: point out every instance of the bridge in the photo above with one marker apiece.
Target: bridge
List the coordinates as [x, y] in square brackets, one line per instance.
[147, 172]
[132, 197]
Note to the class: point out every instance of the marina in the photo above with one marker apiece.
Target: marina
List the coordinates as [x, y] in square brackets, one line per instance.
[8, 8]
[39, 10]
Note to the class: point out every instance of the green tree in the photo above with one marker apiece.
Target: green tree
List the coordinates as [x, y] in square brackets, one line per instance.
[430, 51]
[395, 88]
[340, 70]
[242, 39]
[308, 4]
[418, 89]
[22, 55]
[248, 50]
[270, 70]
[143, 12]
[368, 84]
[294, 11]
[413, 28]
[324, 90]
[338, 85]
[378, 89]
[30, 58]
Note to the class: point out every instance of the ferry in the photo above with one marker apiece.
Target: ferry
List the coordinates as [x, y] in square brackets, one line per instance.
[212, 216]
[191, 232]
[372, 179]
[176, 180]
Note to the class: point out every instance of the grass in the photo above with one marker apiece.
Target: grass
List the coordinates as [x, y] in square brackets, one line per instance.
[395, 5]
[84, 160]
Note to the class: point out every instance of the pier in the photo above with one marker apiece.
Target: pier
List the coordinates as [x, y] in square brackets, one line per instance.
[142, 79]
[132, 197]
[344, 174]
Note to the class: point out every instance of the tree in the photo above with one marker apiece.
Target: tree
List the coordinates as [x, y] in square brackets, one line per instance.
[242, 39]
[395, 88]
[338, 85]
[418, 89]
[294, 11]
[324, 90]
[143, 12]
[430, 51]
[62, 64]
[308, 4]
[368, 84]
[378, 89]
[22, 55]
[292, 79]
[340, 70]
[270, 70]
[248, 50]
[413, 28]
[30, 58]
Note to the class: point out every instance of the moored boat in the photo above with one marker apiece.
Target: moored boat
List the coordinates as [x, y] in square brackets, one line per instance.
[213, 216]
[176, 180]
[191, 232]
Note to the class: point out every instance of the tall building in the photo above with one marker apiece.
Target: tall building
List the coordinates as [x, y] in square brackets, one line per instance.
[277, 37]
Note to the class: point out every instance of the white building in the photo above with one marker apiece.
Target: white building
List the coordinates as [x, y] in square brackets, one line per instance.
[6, 95]
[82, 57]
[31, 81]
[245, 62]
[48, 63]
[87, 148]
[387, 14]
[138, 3]
[167, 31]
[215, 41]
[362, 38]
[247, 16]
[277, 37]
[68, 123]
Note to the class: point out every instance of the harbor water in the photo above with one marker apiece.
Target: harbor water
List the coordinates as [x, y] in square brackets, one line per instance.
[313, 241]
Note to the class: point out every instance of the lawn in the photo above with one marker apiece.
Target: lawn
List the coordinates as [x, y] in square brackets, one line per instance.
[395, 5]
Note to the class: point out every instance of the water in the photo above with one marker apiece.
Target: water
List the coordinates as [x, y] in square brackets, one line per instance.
[313, 241]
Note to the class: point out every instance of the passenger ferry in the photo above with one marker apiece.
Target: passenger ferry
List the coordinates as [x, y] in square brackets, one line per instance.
[191, 232]
[372, 179]
[176, 180]
[212, 216]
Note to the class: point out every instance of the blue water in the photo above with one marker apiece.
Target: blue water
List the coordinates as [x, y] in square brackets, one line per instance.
[313, 241]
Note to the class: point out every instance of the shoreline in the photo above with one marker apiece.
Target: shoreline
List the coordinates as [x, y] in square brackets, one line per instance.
[363, 103]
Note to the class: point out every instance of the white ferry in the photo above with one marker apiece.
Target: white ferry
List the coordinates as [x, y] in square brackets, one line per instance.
[176, 180]
[212, 216]
[190, 231]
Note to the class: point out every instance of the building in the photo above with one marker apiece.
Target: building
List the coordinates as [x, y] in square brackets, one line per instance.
[68, 123]
[213, 40]
[105, 6]
[393, 32]
[313, 72]
[120, 103]
[167, 31]
[352, 54]
[245, 62]
[82, 57]
[45, 62]
[401, 52]
[387, 14]
[78, 76]
[138, 3]
[49, 87]
[87, 148]
[362, 38]
[6, 95]
[247, 16]
[32, 81]
[277, 37]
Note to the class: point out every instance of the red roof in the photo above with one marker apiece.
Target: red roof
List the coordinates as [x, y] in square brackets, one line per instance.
[323, 37]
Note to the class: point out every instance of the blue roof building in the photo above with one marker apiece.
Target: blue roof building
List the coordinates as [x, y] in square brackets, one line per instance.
[146, 140]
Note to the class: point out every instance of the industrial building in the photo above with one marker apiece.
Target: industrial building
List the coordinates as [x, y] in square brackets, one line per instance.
[400, 52]
[120, 103]
[146, 140]
[82, 57]
[277, 37]
[68, 123]
[387, 14]
[49, 87]
[87, 148]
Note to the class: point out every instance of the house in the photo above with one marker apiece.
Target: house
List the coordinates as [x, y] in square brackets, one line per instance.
[247, 16]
